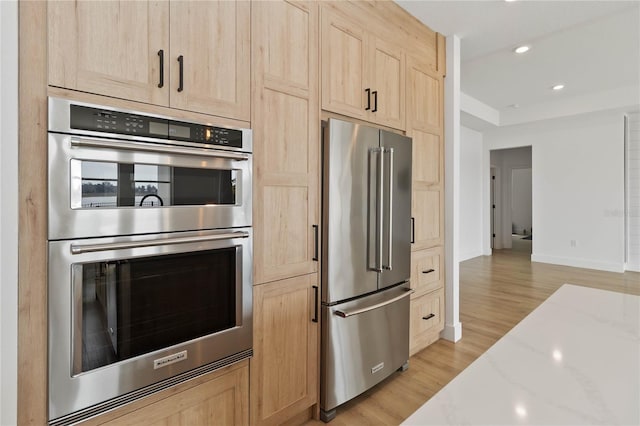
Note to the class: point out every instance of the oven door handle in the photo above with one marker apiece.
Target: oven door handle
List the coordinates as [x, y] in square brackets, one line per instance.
[145, 147]
[88, 248]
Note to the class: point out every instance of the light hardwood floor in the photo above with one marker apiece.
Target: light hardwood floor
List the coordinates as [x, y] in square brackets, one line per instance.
[496, 293]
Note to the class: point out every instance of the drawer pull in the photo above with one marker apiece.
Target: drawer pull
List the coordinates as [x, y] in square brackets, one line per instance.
[428, 317]
[428, 271]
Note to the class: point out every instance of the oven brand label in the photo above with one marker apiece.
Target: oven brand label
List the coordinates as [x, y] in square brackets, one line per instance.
[377, 368]
[170, 359]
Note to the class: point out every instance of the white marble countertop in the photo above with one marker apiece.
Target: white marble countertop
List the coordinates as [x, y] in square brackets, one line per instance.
[575, 360]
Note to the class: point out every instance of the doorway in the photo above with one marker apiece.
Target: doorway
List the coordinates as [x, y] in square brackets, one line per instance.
[511, 200]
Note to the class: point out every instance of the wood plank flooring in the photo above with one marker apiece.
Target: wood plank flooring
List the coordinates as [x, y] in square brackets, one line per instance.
[496, 293]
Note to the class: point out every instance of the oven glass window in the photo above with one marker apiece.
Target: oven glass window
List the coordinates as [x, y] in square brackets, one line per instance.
[104, 184]
[135, 306]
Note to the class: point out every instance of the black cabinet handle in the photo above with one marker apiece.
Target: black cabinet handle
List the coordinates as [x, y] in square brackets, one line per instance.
[368, 92]
[315, 242]
[375, 101]
[181, 74]
[315, 304]
[413, 230]
[428, 317]
[161, 55]
[428, 271]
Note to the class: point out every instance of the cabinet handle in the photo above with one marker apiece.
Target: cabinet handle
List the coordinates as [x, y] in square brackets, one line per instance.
[161, 56]
[315, 242]
[181, 74]
[428, 271]
[375, 101]
[413, 230]
[368, 92]
[428, 317]
[315, 303]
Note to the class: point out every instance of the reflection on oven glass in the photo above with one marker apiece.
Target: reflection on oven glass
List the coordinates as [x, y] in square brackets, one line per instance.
[115, 185]
[135, 306]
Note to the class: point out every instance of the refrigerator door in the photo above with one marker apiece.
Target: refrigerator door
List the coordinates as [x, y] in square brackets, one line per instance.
[396, 229]
[364, 341]
[351, 158]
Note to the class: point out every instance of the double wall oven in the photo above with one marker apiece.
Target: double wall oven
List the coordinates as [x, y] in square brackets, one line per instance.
[150, 254]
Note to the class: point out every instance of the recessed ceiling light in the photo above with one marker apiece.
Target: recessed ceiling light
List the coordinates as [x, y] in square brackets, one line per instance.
[515, 105]
[509, 1]
[558, 87]
[522, 49]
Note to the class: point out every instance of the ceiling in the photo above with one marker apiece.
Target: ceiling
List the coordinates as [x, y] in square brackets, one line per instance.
[592, 47]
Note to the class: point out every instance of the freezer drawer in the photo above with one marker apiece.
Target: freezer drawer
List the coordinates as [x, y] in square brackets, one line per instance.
[363, 346]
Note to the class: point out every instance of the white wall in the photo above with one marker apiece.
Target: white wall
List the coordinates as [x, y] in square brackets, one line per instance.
[521, 201]
[8, 210]
[578, 187]
[470, 194]
[505, 161]
[633, 192]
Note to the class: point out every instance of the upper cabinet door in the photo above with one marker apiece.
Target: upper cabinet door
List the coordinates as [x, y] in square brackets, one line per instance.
[424, 97]
[110, 48]
[387, 66]
[344, 69]
[210, 57]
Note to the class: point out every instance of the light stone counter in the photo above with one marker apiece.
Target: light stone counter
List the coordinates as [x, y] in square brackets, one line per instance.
[575, 360]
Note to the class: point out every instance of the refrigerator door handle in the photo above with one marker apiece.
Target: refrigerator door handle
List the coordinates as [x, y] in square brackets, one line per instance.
[347, 314]
[389, 265]
[380, 205]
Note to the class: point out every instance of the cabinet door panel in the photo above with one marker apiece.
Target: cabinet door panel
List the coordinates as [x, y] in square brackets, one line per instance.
[427, 270]
[213, 39]
[110, 48]
[343, 66]
[388, 70]
[427, 158]
[424, 95]
[285, 363]
[221, 401]
[429, 224]
[427, 320]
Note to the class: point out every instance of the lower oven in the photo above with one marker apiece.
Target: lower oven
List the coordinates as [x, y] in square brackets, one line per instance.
[131, 315]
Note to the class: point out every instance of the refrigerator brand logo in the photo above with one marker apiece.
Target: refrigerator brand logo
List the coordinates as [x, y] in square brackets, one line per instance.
[168, 360]
[377, 368]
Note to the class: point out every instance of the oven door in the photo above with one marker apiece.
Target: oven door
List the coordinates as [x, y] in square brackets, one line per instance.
[106, 187]
[129, 312]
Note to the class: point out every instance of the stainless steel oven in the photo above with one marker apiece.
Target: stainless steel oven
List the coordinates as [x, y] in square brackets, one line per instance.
[126, 313]
[115, 172]
[150, 254]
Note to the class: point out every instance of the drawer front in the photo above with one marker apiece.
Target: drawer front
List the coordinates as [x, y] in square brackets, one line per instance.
[427, 270]
[427, 320]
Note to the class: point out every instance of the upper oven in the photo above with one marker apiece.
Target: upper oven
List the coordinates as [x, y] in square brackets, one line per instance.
[116, 172]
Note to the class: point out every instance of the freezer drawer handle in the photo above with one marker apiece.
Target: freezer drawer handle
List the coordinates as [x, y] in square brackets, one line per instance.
[428, 317]
[88, 248]
[347, 314]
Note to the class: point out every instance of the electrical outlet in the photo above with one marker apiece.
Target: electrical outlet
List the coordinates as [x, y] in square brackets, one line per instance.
[574, 243]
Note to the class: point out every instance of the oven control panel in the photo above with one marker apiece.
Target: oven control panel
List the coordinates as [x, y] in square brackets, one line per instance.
[124, 123]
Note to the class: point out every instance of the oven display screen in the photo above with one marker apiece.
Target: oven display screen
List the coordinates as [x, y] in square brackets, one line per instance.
[157, 128]
[179, 131]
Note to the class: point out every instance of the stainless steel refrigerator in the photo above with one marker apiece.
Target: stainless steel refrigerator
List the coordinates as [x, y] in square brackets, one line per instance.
[366, 257]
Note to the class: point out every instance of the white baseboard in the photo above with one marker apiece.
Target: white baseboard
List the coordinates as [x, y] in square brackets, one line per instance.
[452, 332]
[579, 263]
[633, 266]
[470, 255]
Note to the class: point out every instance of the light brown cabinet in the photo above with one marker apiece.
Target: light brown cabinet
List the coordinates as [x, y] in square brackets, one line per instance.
[187, 55]
[284, 369]
[220, 398]
[286, 123]
[362, 75]
[426, 320]
[286, 209]
[425, 125]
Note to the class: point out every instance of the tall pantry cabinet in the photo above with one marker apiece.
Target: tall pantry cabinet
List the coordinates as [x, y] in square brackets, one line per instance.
[286, 126]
